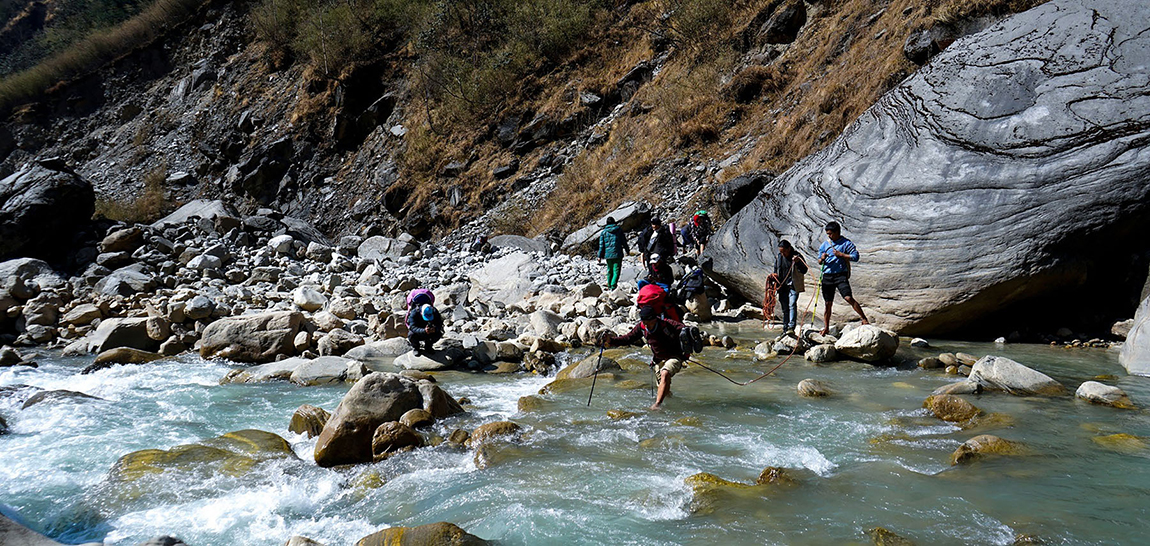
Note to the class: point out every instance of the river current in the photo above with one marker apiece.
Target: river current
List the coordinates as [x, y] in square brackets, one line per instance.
[867, 456]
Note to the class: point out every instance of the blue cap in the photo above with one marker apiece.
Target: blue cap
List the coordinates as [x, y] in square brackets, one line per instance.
[428, 313]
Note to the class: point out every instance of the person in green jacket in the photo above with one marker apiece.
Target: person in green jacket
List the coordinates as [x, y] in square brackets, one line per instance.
[612, 247]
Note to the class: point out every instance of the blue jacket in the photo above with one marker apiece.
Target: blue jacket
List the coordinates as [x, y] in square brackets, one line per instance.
[612, 242]
[834, 264]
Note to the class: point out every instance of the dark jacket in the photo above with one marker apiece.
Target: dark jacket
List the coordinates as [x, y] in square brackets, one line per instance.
[416, 325]
[663, 339]
[783, 269]
[660, 273]
[661, 243]
[613, 242]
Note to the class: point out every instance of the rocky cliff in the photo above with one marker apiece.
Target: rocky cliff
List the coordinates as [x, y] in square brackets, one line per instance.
[1010, 171]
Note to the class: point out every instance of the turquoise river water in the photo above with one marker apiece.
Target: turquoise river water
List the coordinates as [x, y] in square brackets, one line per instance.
[867, 456]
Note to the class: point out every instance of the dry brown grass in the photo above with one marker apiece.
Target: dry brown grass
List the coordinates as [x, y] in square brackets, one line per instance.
[954, 11]
[152, 204]
[94, 51]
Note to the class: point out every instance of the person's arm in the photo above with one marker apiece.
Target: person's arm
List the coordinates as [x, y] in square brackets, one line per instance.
[823, 253]
[851, 253]
[411, 320]
[602, 244]
[800, 264]
[634, 335]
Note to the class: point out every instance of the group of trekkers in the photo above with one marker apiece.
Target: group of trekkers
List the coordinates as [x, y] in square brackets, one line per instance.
[659, 300]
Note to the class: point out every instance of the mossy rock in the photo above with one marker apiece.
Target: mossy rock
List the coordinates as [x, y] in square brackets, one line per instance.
[1122, 443]
[432, 534]
[985, 445]
[885, 537]
[233, 454]
[689, 421]
[308, 420]
[989, 421]
[586, 368]
[619, 415]
[706, 480]
[634, 365]
[630, 385]
[776, 476]
[530, 403]
[951, 408]
[491, 431]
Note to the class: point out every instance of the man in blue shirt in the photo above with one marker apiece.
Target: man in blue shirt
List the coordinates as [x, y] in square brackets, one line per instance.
[836, 255]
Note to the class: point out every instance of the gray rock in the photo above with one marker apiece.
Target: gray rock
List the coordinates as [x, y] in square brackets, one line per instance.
[122, 332]
[321, 371]
[41, 206]
[251, 338]
[822, 353]
[123, 240]
[81, 315]
[387, 348]
[519, 242]
[31, 272]
[1098, 393]
[318, 252]
[961, 387]
[199, 307]
[338, 342]
[1035, 164]
[380, 247]
[199, 208]
[204, 262]
[1135, 356]
[505, 280]
[813, 388]
[630, 216]
[545, 324]
[1005, 374]
[282, 244]
[125, 282]
[868, 343]
[308, 299]
[738, 192]
[262, 373]
[438, 360]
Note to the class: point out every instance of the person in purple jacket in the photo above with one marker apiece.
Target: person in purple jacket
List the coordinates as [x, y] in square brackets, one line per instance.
[835, 256]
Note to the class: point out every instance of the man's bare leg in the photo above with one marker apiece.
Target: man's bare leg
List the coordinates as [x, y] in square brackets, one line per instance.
[827, 318]
[664, 388]
[857, 308]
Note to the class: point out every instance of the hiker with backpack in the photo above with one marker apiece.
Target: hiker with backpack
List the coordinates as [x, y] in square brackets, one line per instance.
[659, 272]
[691, 291]
[790, 269]
[700, 228]
[613, 247]
[835, 257]
[658, 298]
[424, 322]
[670, 341]
[656, 239]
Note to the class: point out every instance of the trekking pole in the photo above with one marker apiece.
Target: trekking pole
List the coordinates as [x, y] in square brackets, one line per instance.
[595, 376]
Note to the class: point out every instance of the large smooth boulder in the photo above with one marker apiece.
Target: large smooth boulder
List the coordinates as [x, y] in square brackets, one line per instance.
[586, 368]
[519, 242]
[199, 208]
[738, 192]
[251, 338]
[426, 362]
[1135, 356]
[28, 271]
[42, 206]
[122, 332]
[380, 247]
[376, 399]
[308, 420]
[1005, 171]
[387, 348]
[272, 371]
[13, 533]
[321, 371]
[432, 534]
[505, 280]
[126, 281]
[868, 343]
[1005, 374]
[630, 216]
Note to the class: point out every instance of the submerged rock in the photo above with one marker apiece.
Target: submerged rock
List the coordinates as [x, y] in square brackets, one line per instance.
[773, 475]
[961, 387]
[120, 355]
[985, 445]
[586, 368]
[432, 534]
[490, 431]
[272, 371]
[1122, 443]
[233, 454]
[882, 536]
[1098, 393]
[951, 408]
[56, 396]
[813, 388]
[868, 343]
[1014, 378]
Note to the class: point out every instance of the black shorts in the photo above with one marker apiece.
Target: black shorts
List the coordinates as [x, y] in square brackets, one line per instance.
[831, 281]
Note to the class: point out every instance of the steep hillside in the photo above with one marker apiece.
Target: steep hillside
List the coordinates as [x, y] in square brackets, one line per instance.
[519, 117]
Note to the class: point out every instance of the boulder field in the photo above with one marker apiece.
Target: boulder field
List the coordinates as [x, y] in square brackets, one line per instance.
[1010, 168]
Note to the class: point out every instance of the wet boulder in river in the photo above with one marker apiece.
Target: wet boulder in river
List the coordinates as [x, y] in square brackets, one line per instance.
[233, 453]
[376, 399]
[122, 332]
[308, 420]
[251, 338]
[1005, 374]
[868, 343]
[970, 188]
[1098, 393]
[432, 534]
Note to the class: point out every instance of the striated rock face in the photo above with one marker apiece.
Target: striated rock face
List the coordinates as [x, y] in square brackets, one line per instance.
[1136, 351]
[42, 205]
[1010, 168]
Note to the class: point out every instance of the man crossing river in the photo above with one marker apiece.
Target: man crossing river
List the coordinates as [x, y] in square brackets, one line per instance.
[667, 350]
